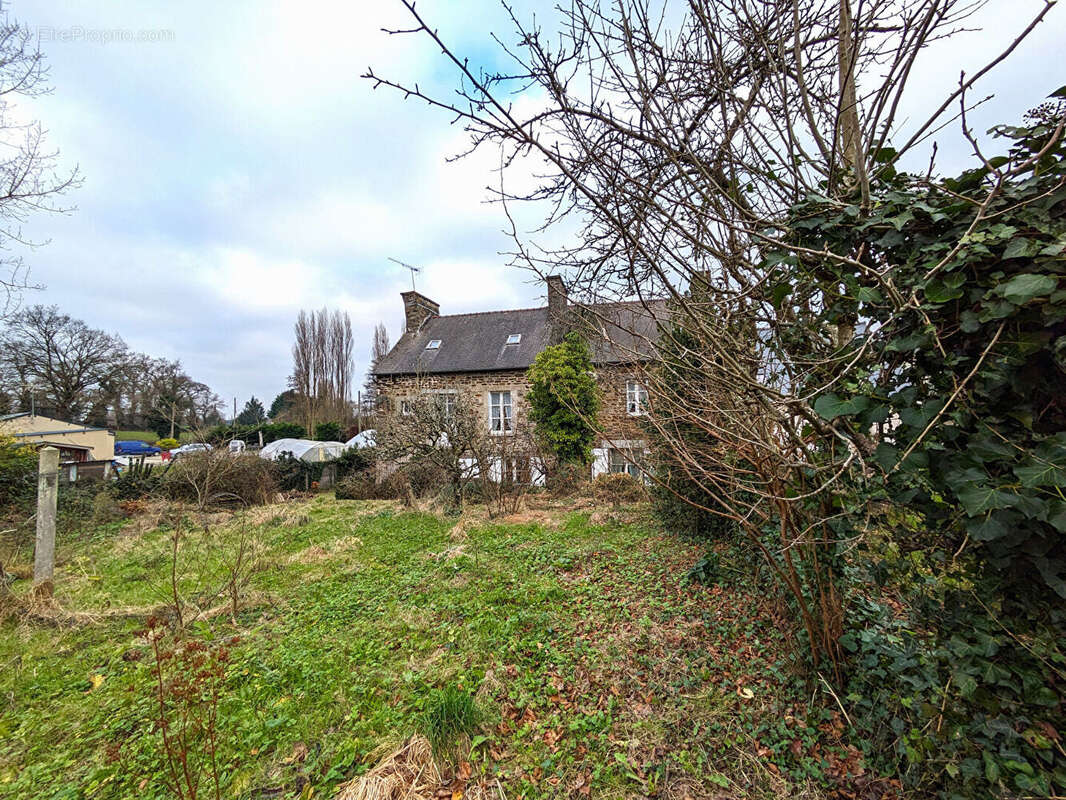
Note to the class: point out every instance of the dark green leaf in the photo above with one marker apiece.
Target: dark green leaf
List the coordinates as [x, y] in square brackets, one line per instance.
[1018, 248]
[1022, 288]
[1040, 473]
[978, 499]
[830, 406]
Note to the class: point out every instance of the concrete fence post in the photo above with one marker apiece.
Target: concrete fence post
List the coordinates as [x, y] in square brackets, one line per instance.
[44, 551]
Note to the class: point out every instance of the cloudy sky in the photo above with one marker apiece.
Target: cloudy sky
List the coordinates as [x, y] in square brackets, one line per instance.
[237, 169]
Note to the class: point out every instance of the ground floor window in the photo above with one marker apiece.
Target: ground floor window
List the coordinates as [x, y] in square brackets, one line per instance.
[627, 461]
[516, 469]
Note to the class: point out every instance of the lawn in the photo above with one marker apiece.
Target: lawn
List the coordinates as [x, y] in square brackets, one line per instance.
[597, 668]
[144, 436]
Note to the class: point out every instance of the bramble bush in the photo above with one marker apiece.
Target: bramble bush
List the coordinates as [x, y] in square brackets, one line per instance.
[137, 480]
[618, 487]
[355, 459]
[567, 479]
[294, 474]
[220, 478]
[953, 625]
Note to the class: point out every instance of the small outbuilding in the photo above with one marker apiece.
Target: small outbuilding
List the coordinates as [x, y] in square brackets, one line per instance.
[75, 442]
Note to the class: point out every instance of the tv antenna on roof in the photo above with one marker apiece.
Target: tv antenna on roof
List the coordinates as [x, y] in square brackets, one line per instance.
[408, 266]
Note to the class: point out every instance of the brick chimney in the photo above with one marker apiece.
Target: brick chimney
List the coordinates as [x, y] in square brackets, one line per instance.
[417, 308]
[557, 307]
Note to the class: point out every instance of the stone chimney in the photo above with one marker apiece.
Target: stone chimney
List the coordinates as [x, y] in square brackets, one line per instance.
[556, 296]
[557, 307]
[417, 308]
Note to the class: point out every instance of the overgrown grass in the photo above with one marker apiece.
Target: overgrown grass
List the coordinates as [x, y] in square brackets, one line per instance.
[573, 657]
[451, 717]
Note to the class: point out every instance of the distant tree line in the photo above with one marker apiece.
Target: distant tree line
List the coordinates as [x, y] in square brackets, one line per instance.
[59, 366]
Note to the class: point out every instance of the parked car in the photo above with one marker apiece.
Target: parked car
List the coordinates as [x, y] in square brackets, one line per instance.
[191, 447]
[135, 447]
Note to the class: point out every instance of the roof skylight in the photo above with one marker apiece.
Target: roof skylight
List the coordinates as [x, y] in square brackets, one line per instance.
[514, 338]
[434, 344]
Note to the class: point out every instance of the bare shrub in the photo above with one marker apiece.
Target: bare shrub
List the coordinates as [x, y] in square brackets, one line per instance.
[218, 477]
[435, 443]
[357, 486]
[567, 480]
[507, 467]
[209, 565]
[617, 488]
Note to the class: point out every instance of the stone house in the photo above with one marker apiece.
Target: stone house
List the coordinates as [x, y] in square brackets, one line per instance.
[482, 357]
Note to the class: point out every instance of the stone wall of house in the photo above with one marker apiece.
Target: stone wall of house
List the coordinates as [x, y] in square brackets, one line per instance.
[470, 387]
[474, 387]
[615, 420]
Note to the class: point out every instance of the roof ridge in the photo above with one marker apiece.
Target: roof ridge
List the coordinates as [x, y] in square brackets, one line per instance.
[576, 304]
[484, 313]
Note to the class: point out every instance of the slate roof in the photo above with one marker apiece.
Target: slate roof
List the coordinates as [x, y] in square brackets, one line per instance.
[477, 342]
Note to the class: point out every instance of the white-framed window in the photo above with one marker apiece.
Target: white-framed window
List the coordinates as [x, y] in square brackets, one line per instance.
[501, 412]
[407, 406]
[636, 399]
[514, 338]
[624, 461]
[434, 344]
[446, 402]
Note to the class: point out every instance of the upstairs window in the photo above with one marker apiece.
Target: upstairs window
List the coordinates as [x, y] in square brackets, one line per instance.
[500, 412]
[434, 344]
[407, 407]
[514, 338]
[636, 399]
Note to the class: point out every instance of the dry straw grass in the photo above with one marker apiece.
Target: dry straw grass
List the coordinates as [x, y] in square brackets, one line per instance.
[33, 608]
[277, 515]
[448, 553]
[408, 773]
[314, 553]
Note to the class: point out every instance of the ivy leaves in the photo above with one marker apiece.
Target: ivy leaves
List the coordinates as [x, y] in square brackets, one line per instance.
[960, 387]
[829, 406]
[1020, 289]
[564, 400]
[988, 331]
